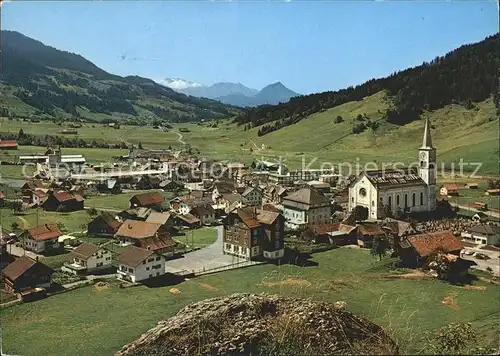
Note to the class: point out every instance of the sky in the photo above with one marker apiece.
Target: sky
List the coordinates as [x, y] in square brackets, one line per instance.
[310, 46]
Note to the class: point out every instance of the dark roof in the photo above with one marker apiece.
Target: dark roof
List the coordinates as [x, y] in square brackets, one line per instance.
[137, 229]
[158, 218]
[151, 198]
[85, 250]
[270, 207]
[44, 232]
[485, 229]
[393, 178]
[309, 196]
[17, 268]
[189, 218]
[371, 229]
[443, 241]
[109, 220]
[63, 196]
[156, 243]
[133, 256]
[202, 210]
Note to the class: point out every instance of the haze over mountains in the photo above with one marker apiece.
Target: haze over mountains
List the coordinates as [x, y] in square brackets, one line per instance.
[233, 93]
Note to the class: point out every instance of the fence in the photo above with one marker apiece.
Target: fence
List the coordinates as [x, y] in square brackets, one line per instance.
[194, 273]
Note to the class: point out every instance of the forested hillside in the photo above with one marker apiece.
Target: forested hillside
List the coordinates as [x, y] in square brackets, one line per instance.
[42, 81]
[467, 74]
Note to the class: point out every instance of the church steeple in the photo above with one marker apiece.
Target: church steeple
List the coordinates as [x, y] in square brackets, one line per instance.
[427, 141]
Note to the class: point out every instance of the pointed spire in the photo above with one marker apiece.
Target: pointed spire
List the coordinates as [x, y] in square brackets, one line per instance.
[427, 142]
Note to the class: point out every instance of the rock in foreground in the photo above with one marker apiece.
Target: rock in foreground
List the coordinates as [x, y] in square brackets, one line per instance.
[250, 324]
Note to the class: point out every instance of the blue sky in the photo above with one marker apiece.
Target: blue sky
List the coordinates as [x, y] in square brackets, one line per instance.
[310, 46]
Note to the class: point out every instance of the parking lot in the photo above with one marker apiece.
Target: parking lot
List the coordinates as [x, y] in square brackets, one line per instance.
[492, 258]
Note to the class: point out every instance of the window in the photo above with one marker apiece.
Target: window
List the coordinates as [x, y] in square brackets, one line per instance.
[158, 258]
[413, 199]
[406, 200]
[131, 270]
[397, 199]
[144, 262]
[362, 192]
[373, 202]
[99, 264]
[352, 199]
[389, 202]
[147, 268]
[151, 259]
[108, 258]
[421, 198]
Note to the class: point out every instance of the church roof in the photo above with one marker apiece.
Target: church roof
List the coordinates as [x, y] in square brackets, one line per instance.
[392, 178]
[427, 141]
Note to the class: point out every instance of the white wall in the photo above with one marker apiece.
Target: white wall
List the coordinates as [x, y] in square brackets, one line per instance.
[101, 256]
[144, 270]
[274, 254]
[243, 252]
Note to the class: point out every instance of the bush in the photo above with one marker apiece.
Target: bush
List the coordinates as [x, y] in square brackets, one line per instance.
[338, 120]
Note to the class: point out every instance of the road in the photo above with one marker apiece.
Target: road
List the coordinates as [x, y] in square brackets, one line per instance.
[206, 258]
[488, 212]
[19, 251]
[493, 262]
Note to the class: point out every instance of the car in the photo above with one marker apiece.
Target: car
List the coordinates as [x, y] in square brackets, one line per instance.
[482, 256]
[468, 252]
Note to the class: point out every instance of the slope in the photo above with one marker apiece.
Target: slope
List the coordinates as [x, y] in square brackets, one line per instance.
[56, 84]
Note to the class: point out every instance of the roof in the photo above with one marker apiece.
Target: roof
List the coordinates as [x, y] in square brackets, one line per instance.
[6, 143]
[472, 185]
[427, 141]
[224, 187]
[63, 196]
[346, 228]
[493, 190]
[392, 177]
[399, 227]
[44, 232]
[137, 229]
[444, 241]
[325, 228]
[17, 268]
[156, 243]
[309, 196]
[232, 198]
[151, 198]
[133, 256]
[485, 229]
[140, 212]
[267, 217]
[158, 218]
[371, 229]
[189, 218]
[451, 186]
[85, 250]
[270, 207]
[109, 219]
[202, 210]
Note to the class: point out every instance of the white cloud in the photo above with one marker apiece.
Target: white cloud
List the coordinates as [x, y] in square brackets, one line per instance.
[179, 84]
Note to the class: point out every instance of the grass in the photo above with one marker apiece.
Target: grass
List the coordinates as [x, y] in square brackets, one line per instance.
[119, 201]
[408, 309]
[198, 237]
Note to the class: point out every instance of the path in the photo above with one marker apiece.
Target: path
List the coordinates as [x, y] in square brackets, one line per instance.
[488, 212]
[180, 139]
[114, 210]
[25, 222]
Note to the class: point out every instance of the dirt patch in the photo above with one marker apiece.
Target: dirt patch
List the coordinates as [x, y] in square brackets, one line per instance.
[288, 282]
[101, 286]
[475, 288]
[208, 287]
[450, 301]
[174, 291]
[415, 275]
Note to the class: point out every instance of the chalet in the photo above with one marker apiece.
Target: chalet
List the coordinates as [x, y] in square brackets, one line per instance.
[492, 192]
[230, 201]
[8, 145]
[367, 233]
[397, 229]
[110, 186]
[221, 188]
[323, 187]
[170, 185]
[186, 203]
[414, 250]
[88, 258]
[250, 233]
[62, 201]
[307, 206]
[148, 200]
[104, 224]
[165, 218]
[138, 264]
[205, 213]
[28, 191]
[449, 189]
[471, 186]
[25, 273]
[484, 234]
[188, 220]
[140, 213]
[154, 237]
[148, 182]
[275, 194]
[41, 238]
[252, 196]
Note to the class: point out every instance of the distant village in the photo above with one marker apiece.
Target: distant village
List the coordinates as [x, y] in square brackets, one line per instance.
[261, 213]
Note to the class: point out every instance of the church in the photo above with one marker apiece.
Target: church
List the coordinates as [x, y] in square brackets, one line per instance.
[405, 189]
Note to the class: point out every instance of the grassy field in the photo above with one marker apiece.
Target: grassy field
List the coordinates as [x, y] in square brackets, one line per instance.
[198, 237]
[98, 321]
[119, 201]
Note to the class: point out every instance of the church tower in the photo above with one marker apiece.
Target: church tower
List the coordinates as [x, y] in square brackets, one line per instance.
[427, 167]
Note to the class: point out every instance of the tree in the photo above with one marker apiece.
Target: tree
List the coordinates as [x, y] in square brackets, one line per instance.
[139, 146]
[61, 226]
[20, 135]
[360, 213]
[379, 247]
[253, 165]
[338, 120]
[17, 206]
[453, 339]
[92, 212]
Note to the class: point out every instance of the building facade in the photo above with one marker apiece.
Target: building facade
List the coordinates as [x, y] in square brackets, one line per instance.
[306, 207]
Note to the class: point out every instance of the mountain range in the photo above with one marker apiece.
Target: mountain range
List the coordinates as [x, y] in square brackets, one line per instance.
[39, 80]
[233, 93]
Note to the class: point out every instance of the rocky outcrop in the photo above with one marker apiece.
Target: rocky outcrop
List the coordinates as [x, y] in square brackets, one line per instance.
[250, 324]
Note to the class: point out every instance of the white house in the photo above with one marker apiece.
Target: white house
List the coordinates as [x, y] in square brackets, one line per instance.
[307, 206]
[252, 196]
[484, 234]
[407, 189]
[88, 258]
[204, 212]
[136, 264]
[41, 238]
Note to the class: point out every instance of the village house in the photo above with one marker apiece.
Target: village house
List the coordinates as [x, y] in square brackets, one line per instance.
[29, 189]
[449, 189]
[480, 217]
[187, 220]
[170, 185]
[323, 187]
[8, 145]
[25, 273]
[252, 196]
[492, 192]
[148, 182]
[471, 185]
[164, 218]
[149, 236]
[251, 232]
[483, 234]
[153, 200]
[62, 202]
[307, 206]
[88, 258]
[137, 264]
[367, 232]
[414, 250]
[41, 239]
[108, 186]
[205, 213]
[104, 224]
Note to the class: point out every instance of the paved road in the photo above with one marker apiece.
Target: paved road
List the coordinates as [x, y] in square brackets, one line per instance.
[208, 257]
[488, 212]
[493, 262]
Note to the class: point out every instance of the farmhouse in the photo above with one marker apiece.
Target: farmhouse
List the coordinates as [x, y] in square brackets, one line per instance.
[306, 206]
[138, 264]
[26, 273]
[449, 189]
[486, 234]
[88, 258]
[140, 213]
[164, 218]
[492, 192]
[41, 238]
[148, 200]
[188, 220]
[104, 224]
[62, 201]
[404, 189]
[471, 185]
[8, 145]
[252, 196]
[251, 232]
[154, 237]
[205, 213]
